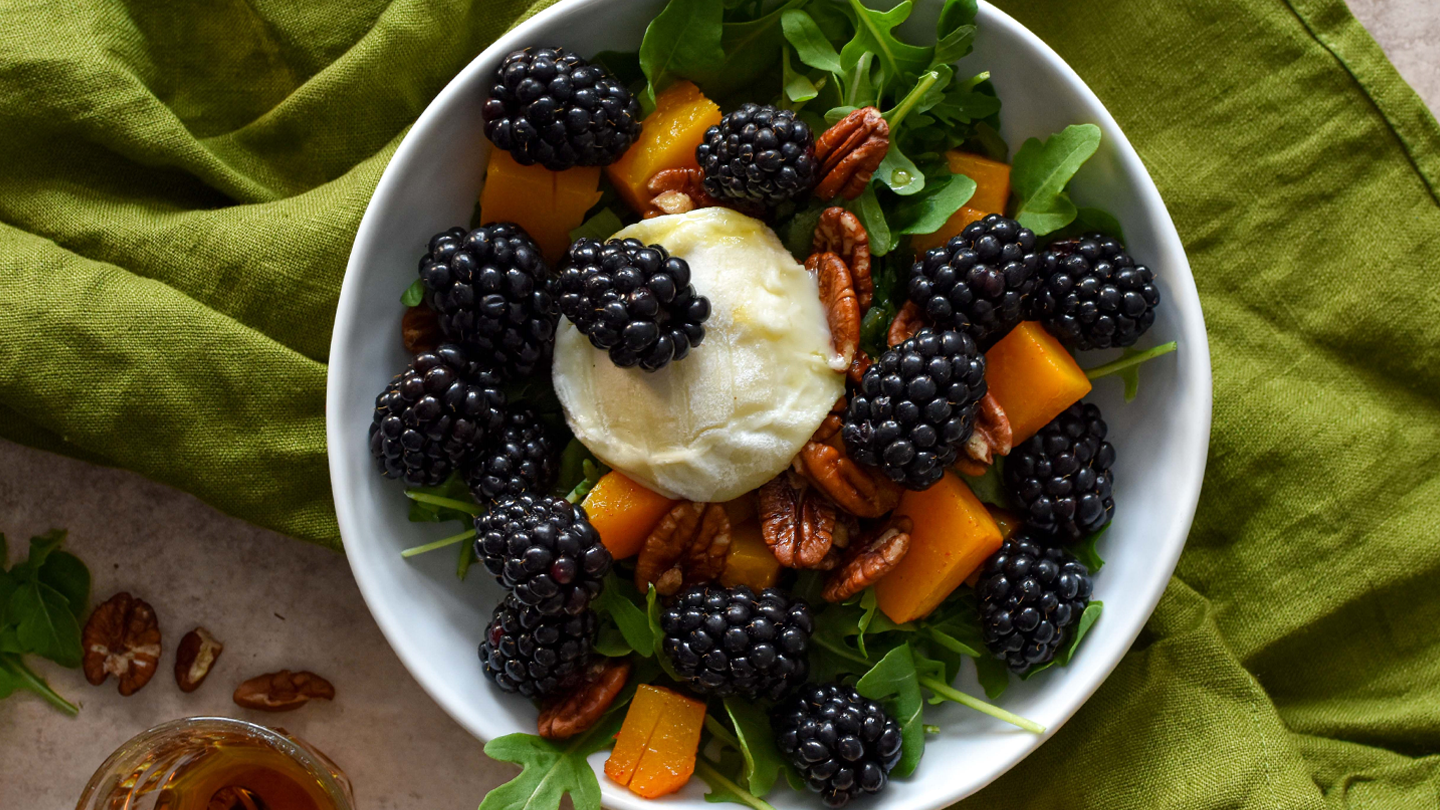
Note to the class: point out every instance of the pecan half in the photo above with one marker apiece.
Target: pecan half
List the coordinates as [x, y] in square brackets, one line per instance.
[841, 233]
[869, 561]
[194, 657]
[992, 435]
[909, 320]
[827, 466]
[582, 707]
[858, 367]
[675, 191]
[837, 295]
[850, 152]
[122, 638]
[687, 547]
[802, 527]
[282, 691]
[420, 329]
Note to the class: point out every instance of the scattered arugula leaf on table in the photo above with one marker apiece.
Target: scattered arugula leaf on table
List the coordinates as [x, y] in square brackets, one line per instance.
[41, 602]
[1042, 169]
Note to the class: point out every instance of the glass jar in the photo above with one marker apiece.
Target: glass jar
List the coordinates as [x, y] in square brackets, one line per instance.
[217, 763]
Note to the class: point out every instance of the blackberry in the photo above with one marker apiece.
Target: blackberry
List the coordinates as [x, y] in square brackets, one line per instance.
[492, 292]
[519, 458]
[551, 107]
[1092, 295]
[634, 300]
[758, 154]
[434, 416]
[916, 406]
[731, 641]
[534, 654]
[1060, 478]
[979, 281]
[544, 550]
[1029, 597]
[842, 744]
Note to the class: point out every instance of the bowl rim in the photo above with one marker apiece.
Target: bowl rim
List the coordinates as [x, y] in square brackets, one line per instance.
[1192, 333]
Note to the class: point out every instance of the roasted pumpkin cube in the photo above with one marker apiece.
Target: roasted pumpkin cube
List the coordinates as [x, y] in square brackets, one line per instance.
[749, 561]
[1033, 378]
[953, 534]
[654, 752]
[548, 205]
[624, 513]
[668, 138]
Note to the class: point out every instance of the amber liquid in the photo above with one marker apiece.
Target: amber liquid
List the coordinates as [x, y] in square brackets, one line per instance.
[240, 776]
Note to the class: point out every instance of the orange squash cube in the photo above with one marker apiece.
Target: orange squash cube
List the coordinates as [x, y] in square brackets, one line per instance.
[749, 561]
[668, 138]
[992, 193]
[624, 513]
[1033, 378]
[655, 750]
[548, 205]
[953, 535]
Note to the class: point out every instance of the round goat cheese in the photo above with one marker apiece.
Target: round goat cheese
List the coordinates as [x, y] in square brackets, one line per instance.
[733, 413]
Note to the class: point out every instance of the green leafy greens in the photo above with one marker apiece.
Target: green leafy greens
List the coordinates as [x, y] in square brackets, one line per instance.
[41, 602]
[1041, 171]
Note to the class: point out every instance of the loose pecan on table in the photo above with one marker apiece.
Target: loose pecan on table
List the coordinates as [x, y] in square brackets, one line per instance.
[194, 657]
[909, 320]
[841, 233]
[867, 562]
[282, 691]
[850, 152]
[122, 638]
[687, 547]
[826, 465]
[991, 436]
[420, 329]
[801, 525]
[583, 706]
[837, 295]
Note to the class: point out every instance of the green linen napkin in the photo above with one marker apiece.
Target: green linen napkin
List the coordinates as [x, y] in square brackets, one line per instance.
[179, 185]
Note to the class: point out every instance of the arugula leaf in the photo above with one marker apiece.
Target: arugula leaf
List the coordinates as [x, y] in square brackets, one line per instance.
[723, 788]
[65, 573]
[14, 675]
[571, 468]
[763, 762]
[955, 14]
[872, 217]
[593, 473]
[620, 600]
[896, 680]
[40, 548]
[1128, 367]
[601, 226]
[652, 613]
[683, 40]
[994, 676]
[874, 33]
[1063, 656]
[454, 489]
[623, 65]
[548, 770]
[900, 173]
[797, 86]
[868, 605]
[413, 294]
[610, 642]
[926, 212]
[751, 49]
[1086, 553]
[811, 44]
[990, 487]
[1040, 172]
[44, 623]
[1093, 220]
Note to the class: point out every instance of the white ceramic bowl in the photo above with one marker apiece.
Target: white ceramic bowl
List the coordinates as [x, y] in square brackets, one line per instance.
[434, 622]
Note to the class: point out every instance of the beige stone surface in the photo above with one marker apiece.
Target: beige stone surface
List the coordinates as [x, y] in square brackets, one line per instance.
[279, 603]
[273, 601]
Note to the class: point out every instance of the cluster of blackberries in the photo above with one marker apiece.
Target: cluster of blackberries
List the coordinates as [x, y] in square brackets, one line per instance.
[1087, 292]
[732, 641]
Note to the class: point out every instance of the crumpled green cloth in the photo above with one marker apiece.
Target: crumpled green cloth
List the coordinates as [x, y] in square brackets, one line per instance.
[180, 183]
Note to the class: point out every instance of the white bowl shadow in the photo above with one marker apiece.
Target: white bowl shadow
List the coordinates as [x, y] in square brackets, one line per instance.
[434, 622]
